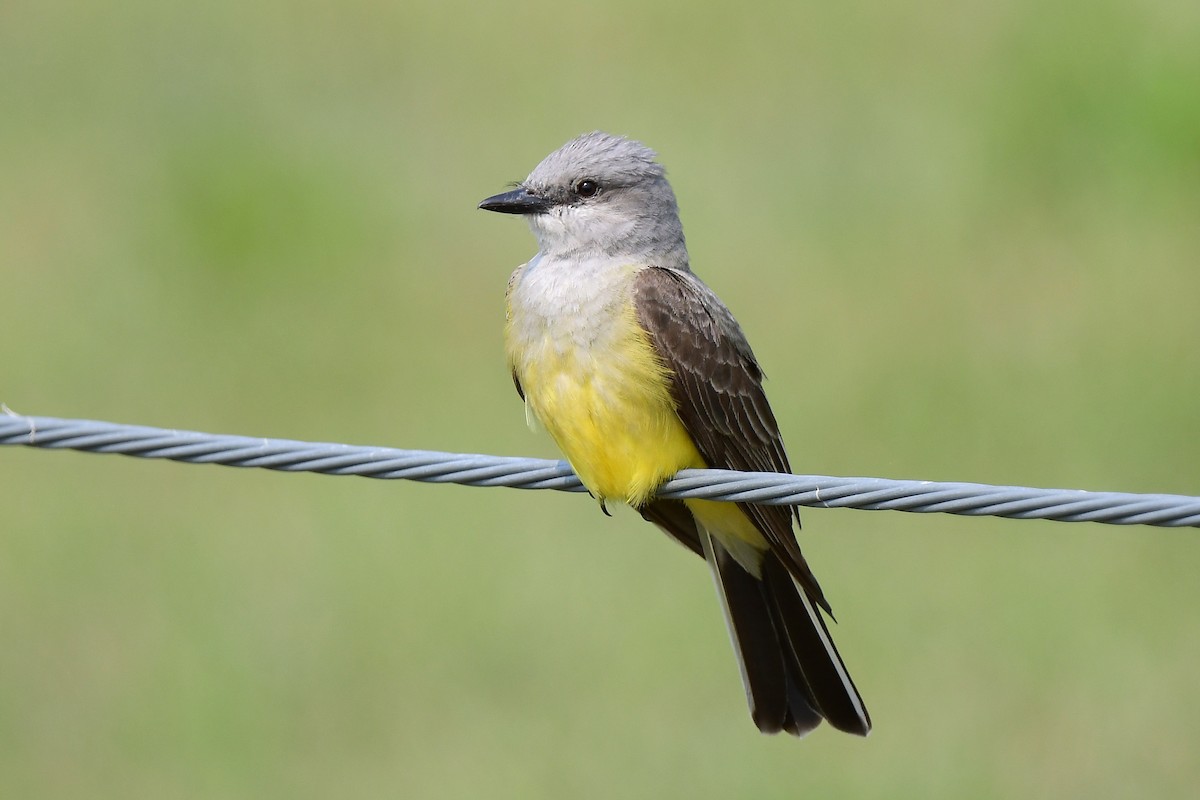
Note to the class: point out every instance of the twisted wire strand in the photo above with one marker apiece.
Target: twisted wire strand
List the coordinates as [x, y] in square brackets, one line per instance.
[822, 491]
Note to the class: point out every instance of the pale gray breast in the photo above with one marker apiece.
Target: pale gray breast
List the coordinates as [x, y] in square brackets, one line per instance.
[569, 305]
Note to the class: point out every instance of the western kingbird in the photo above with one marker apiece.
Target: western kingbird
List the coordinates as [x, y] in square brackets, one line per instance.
[637, 370]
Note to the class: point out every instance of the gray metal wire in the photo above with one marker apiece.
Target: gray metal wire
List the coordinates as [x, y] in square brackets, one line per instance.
[874, 494]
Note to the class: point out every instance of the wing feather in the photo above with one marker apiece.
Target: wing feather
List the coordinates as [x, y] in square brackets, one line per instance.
[512, 281]
[718, 394]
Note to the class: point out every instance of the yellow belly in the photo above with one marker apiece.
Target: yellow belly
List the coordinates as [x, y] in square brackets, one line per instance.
[609, 409]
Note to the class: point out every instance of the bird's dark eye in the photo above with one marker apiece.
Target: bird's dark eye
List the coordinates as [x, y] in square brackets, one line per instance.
[587, 188]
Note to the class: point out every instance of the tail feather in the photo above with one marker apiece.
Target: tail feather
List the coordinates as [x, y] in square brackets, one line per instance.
[805, 635]
[778, 701]
[790, 667]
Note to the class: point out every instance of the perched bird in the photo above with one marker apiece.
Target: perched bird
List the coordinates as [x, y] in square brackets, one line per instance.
[637, 370]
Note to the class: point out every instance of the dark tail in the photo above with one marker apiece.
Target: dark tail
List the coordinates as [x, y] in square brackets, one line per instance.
[792, 672]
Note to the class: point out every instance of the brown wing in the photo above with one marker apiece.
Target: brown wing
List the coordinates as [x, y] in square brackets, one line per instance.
[512, 279]
[717, 388]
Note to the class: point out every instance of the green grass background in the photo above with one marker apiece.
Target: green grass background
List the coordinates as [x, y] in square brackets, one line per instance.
[963, 236]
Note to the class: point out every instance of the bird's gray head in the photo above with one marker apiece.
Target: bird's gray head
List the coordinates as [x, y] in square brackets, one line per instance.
[600, 194]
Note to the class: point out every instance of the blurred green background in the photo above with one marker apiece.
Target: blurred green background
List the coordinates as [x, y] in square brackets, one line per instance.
[963, 236]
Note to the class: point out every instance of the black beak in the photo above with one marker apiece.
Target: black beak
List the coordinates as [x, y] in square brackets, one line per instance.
[518, 201]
